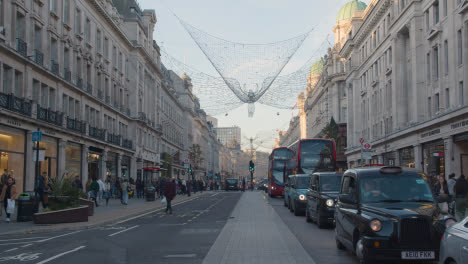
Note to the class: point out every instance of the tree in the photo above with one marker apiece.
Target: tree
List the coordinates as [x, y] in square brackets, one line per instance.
[195, 155]
[167, 164]
[331, 130]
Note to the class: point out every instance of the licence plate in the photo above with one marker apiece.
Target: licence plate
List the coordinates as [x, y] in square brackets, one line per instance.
[417, 255]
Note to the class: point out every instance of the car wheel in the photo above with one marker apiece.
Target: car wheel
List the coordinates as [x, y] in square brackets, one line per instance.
[361, 253]
[290, 205]
[339, 245]
[296, 212]
[320, 222]
[307, 214]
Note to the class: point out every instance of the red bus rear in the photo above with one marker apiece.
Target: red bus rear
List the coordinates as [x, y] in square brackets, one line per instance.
[313, 155]
[276, 170]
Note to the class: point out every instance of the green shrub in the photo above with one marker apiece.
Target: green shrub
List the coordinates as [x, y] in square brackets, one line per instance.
[64, 195]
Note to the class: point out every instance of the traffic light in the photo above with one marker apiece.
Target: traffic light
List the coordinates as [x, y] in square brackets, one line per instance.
[251, 166]
[190, 169]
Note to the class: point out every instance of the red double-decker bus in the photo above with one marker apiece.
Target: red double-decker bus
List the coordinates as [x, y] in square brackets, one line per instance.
[276, 169]
[312, 155]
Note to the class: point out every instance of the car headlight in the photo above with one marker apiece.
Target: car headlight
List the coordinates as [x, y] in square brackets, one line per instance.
[273, 188]
[302, 197]
[330, 202]
[376, 225]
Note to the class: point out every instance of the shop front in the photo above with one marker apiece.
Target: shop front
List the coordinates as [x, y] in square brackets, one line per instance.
[94, 162]
[434, 158]
[47, 160]
[125, 166]
[12, 148]
[407, 157]
[111, 165]
[73, 160]
[461, 152]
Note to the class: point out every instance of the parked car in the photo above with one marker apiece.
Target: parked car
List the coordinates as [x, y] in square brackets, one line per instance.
[262, 185]
[232, 184]
[388, 213]
[321, 198]
[454, 244]
[286, 191]
[298, 185]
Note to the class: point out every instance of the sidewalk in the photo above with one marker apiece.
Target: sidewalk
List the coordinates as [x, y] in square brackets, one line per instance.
[103, 214]
[256, 234]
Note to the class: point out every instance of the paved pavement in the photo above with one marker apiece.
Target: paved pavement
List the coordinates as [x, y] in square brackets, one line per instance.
[114, 212]
[256, 234]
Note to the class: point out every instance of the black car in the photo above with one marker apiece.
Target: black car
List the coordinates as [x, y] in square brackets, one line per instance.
[321, 198]
[232, 184]
[388, 213]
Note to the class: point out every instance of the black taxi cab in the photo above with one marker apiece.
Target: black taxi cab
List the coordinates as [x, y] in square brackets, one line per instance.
[388, 213]
[321, 198]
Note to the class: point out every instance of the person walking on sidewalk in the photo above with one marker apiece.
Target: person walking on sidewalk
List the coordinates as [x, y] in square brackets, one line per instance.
[93, 191]
[169, 193]
[40, 189]
[77, 183]
[461, 196]
[8, 192]
[107, 191]
[102, 189]
[124, 187]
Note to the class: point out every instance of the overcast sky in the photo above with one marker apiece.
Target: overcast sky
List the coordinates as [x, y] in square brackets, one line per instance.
[245, 21]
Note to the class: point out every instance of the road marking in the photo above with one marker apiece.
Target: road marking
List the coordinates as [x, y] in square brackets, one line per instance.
[50, 238]
[152, 212]
[22, 257]
[26, 238]
[61, 254]
[214, 194]
[10, 250]
[125, 230]
[26, 245]
[181, 256]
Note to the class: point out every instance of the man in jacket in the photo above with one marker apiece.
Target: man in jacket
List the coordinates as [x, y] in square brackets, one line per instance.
[169, 193]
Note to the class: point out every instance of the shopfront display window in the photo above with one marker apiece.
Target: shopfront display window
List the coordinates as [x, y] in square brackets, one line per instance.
[94, 160]
[49, 164]
[125, 166]
[73, 160]
[434, 158]
[407, 157]
[12, 154]
[111, 165]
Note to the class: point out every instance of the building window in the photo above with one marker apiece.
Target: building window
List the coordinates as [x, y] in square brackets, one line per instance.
[429, 107]
[77, 21]
[88, 30]
[1, 12]
[114, 56]
[98, 40]
[437, 103]
[105, 48]
[447, 98]
[435, 63]
[436, 12]
[428, 63]
[445, 7]
[37, 37]
[461, 93]
[66, 11]
[426, 15]
[20, 26]
[390, 56]
[460, 47]
[53, 50]
[53, 5]
[65, 103]
[446, 57]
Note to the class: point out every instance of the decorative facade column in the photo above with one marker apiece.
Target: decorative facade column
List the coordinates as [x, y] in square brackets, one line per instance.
[30, 170]
[418, 162]
[61, 157]
[103, 166]
[133, 168]
[84, 164]
[119, 166]
[449, 156]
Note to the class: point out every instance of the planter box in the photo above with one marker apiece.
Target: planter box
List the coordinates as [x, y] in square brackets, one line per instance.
[90, 205]
[72, 215]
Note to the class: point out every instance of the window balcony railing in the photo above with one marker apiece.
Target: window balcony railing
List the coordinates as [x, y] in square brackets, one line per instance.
[79, 82]
[158, 127]
[22, 47]
[49, 116]
[122, 109]
[76, 125]
[142, 116]
[89, 88]
[16, 104]
[54, 67]
[100, 94]
[116, 105]
[113, 139]
[97, 133]
[107, 99]
[67, 74]
[127, 143]
[128, 112]
[38, 57]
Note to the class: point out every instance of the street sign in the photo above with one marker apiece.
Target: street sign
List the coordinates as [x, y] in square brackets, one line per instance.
[367, 146]
[36, 136]
[186, 165]
[361, 140]
[367, 154]
[41, 155]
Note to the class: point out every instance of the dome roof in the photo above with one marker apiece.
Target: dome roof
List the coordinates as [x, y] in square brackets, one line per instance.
[348, 10]
[317, 67]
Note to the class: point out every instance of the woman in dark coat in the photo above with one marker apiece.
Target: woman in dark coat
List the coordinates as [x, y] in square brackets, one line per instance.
[169, 193]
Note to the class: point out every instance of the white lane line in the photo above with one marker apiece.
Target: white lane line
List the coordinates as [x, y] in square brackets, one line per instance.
[50, 238]
[154, 211]
[125, 230]
[17, 243]
[10, 250]
[26, 245]
[215, 194]
[26, 238]
[61, 254]
[181, 256]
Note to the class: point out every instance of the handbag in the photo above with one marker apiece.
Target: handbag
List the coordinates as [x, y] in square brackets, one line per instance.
[163, 200]
[11, 206]
[443, 207]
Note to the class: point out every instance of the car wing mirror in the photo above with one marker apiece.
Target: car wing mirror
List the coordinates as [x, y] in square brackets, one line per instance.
[347, 198]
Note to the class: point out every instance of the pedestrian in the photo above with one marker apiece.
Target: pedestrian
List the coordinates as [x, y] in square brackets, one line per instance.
[77, 183]
[124, 187]
[93, 191]
[139, 188]
[461, 192]
[102, 189]
[8, 193]
[451, 183]
[41, 188]
[169, 193]
[189, 187]
[162, 187]
[107, 191]
[442, 193]
[88, 184]
[4, 179]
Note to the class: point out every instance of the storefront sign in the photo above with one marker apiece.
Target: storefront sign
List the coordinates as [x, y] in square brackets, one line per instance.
[14, 122]
[430, 133]
[459, 124]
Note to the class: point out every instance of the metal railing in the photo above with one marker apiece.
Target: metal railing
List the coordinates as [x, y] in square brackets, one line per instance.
[54, 67]
[107, 99]
[13, 103]
[38, 57]
[100, 94]
[49, 116]
[89, 88]
[79, 82]
[76, 125]
[142, 116]
[22, 47]
[128, 112]
[158, 127]
[97, 133]
[113, 139]
[127, 143]
[67, 74]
